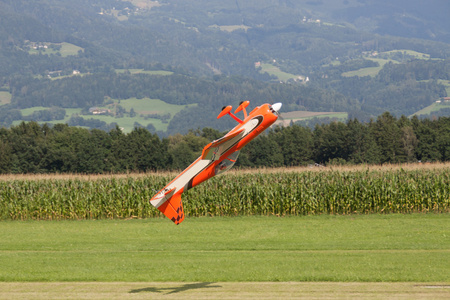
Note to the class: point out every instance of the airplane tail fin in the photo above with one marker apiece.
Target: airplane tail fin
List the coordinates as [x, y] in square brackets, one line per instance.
[173, 208]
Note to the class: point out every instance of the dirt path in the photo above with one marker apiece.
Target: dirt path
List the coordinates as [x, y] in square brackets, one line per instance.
[223, 290]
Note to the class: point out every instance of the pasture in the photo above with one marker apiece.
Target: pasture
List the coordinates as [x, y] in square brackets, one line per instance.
[446, 83]
[274, 70]
[369, 71]
[435, 107]
[142, 108]
[231, 28]
[393, 56]
[142, 71]
[301, 115]
[5, 97]
[66, 49]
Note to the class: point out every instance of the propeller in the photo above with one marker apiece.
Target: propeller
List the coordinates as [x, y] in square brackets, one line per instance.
[277, 106]
[276, 110]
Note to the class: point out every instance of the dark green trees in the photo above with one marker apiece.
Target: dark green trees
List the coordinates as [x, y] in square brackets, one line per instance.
[33, 148]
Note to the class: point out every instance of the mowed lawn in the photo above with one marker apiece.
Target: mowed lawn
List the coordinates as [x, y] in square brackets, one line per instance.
[353, 248]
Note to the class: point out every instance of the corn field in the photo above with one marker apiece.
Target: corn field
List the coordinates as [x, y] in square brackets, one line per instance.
[279, 193]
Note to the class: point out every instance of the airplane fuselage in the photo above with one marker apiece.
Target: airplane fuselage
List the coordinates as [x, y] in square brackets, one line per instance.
[253, 125]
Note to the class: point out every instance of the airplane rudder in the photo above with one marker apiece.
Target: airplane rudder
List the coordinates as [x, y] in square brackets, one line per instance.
[173, 209]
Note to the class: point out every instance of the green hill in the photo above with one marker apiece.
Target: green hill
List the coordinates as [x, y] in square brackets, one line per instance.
[361, 57]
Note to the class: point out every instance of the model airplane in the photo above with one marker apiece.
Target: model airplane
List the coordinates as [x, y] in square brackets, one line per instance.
[217, 157]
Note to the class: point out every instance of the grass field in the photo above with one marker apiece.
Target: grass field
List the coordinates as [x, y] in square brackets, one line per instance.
[372, 256]
[274, 70]
[370, 248]
[140, 106]
[230, 28]
[301, 115]
[370, 71]
[409, 53]
[446, 83]
[66, 49]
[145, 3]
[432, 108]
[382, 59]
[5, 97]
[142, 71]
[143, 106]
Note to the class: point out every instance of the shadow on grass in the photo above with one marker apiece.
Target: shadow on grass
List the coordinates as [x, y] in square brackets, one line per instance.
[177, 289]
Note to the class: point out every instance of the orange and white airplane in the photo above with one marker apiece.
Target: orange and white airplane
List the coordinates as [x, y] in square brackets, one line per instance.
[217, 157]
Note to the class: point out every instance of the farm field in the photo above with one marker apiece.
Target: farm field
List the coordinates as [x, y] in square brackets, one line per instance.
[446, 83]
[145, 3]
[283, 192]
[142, 71]
[274, 70]
[249, 255]
[432, 108]
[305, 115]
[385, 57]
[230, 28]
[5, 97]
[370, 71]
[142, 106]
[409, 53]
[65, 50]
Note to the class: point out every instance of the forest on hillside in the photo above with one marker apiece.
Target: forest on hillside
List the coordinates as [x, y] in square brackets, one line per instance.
[212, 49]
[401, 89]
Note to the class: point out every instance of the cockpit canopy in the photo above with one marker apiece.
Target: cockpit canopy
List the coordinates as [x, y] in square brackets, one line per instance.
[227, 163]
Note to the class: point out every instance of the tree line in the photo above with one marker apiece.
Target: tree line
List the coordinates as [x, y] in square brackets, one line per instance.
[33, 148]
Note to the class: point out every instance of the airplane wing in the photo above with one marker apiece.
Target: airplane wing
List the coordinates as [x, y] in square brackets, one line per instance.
[208, 154]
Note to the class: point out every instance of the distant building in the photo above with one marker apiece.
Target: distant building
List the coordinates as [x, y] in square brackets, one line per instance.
[99, 111]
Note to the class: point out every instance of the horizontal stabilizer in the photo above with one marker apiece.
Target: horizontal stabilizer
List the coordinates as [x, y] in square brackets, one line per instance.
[225, 110]
[218, 142]
[242, 106]
[173, 209]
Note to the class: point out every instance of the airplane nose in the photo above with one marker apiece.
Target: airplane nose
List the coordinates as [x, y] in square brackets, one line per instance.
[277, 106]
